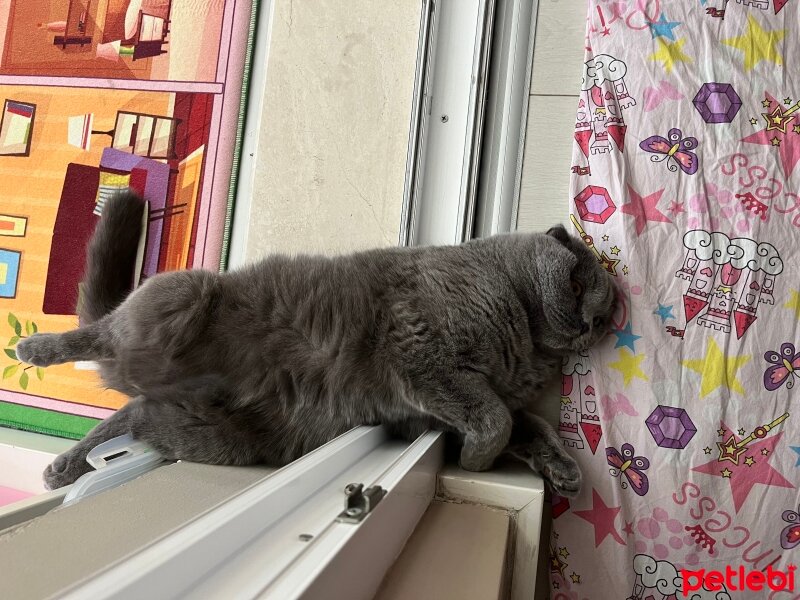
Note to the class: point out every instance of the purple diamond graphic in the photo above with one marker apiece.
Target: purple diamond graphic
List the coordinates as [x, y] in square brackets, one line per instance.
[671, 427]
[717, 102]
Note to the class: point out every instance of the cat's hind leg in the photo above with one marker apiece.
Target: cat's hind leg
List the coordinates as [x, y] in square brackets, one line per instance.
[536, 443]
[195, 421]
[70, 465]
[190, 421]
[85, 343]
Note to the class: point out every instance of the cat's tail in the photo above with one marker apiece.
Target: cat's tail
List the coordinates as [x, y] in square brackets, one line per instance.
[111, 257]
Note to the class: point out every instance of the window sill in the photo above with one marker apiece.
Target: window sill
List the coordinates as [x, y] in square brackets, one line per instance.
[515, 488]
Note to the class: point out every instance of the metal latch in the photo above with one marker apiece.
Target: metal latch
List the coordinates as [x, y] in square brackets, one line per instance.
[359, 502]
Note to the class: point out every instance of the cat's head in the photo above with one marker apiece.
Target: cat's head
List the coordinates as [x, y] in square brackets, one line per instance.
[578, 295]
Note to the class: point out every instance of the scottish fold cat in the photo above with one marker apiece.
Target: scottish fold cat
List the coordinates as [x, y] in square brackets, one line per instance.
[267, 362]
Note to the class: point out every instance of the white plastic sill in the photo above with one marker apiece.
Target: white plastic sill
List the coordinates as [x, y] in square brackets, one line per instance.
[519, 490]
[23, 457]
[249, 547]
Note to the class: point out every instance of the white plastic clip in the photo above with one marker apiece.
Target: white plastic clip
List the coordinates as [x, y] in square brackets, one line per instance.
[116, 461]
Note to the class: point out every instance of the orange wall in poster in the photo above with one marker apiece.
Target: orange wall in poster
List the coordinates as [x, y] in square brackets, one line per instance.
[31, 188]
[29, 31]
[180, 231]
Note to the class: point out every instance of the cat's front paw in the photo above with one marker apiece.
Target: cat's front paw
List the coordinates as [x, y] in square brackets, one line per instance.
[474, 460]
[39, 350]
[563, 474]
[65, 469]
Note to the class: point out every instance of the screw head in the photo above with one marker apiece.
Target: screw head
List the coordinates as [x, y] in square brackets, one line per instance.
[306, 537]
[445, 118]
[353, 512]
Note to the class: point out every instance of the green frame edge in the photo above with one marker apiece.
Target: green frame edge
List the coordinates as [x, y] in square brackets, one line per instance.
[48, 422]
[237, 151]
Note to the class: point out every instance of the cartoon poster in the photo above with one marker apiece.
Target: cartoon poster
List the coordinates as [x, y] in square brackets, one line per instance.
[99, 96]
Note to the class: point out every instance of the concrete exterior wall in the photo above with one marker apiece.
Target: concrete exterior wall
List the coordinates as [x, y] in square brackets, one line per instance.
[335, 126]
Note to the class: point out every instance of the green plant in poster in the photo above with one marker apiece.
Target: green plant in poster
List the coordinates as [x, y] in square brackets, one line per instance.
[16, 369]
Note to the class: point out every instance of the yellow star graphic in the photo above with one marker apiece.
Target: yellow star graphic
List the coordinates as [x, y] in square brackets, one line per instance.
[749, 461]
[563, 552]
[628, 365]
[669, 54]
[730, 451]
[557, 566]
[757, 44]
[615, 250]
[778, 120]
[753, 121]
[707, 450]
[741, 430]
[717, 370]
[794, 303]
[764, 451]
[575, 577]
[608, 263]
[775, 141]
[796, 128]
[787, 100]
[726, 472]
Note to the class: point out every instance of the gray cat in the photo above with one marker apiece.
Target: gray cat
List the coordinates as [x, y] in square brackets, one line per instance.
[265, 363]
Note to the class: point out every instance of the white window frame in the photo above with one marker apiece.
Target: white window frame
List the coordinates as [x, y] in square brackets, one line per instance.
[23, 457]
[250, 546]
[463, 174]
[237, 253]
[465, 171]
[443, 207]
[506, 118]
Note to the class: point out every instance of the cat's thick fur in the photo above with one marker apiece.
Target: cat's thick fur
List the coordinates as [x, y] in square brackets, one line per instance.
[263, 364]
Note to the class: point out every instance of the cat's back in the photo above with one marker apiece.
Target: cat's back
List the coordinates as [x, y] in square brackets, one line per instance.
[316, 328]
[342, 301]
[282, 283]
[310, 309]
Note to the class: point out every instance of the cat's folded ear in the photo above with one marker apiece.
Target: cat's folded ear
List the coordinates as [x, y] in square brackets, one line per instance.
[555, 262]
[554, 267]
[560, 233]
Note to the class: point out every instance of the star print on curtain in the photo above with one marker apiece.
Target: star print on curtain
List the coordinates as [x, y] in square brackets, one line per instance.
[685, 186]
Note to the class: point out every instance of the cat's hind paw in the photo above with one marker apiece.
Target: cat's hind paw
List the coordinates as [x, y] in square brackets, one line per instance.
[65, 469]
[41, 350]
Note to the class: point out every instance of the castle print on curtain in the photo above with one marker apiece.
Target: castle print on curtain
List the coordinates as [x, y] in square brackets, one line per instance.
[686, 186]
[98, 97]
